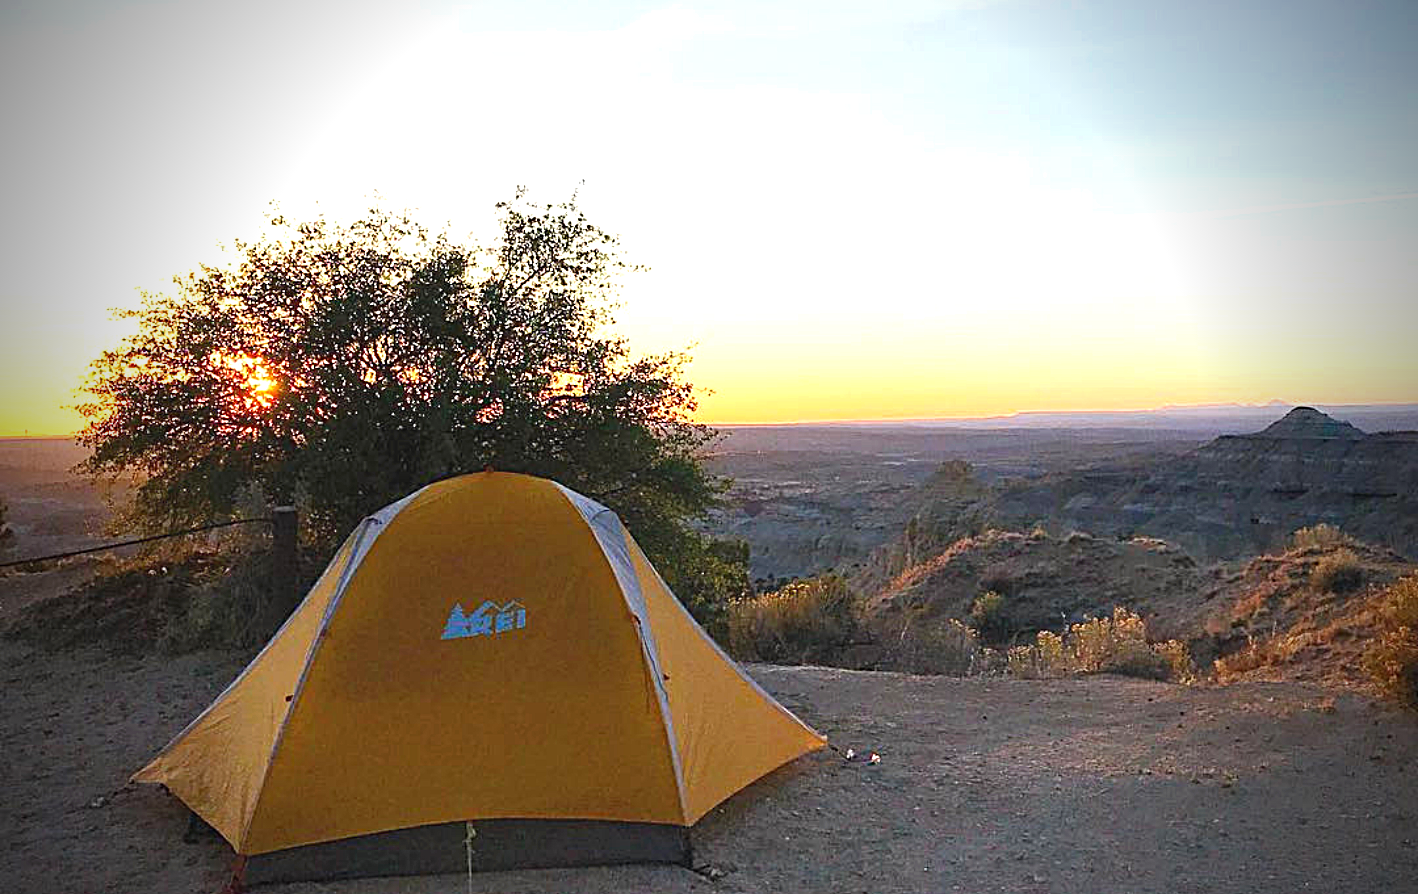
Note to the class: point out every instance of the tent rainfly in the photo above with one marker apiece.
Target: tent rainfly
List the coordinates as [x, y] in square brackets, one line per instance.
[488, 670]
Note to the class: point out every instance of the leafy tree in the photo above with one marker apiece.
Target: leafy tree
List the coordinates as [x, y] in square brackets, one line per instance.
[346, 366]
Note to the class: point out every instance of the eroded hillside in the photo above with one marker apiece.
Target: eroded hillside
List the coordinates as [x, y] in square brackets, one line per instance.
[1239, 495]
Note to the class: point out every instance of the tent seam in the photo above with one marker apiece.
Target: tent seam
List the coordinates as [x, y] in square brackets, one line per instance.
[642, 622]
[382, 518]
[743, 675]
[166, 749]
[300, 682]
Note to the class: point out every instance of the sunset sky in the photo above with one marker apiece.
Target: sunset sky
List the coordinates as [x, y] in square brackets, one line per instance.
[851, 209]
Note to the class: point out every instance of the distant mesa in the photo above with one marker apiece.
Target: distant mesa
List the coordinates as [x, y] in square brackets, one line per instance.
[1234, 496]
[1309, 423]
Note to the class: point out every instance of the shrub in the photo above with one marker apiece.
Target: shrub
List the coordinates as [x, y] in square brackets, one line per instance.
[997, 579]
[1048, 657]
[987, 615]
[1115, 645]
[1318, 536]
[1392, 658]
[1099, 642]
[1338, 572]
[938, 646]
[223, 608]
[1180, 667]
[1255, 654]
[807, 621]
[198, 599]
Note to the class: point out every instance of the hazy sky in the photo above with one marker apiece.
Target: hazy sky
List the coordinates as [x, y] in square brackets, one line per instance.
[851, 209]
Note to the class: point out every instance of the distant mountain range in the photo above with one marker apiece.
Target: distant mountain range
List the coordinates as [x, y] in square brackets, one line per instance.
[1235, 496]
[1205, 420]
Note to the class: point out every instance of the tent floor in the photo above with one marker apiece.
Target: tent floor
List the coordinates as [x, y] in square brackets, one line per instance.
[497, 845]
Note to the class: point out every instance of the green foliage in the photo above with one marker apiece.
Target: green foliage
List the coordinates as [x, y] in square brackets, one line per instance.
[184, 600]
[345, 366]
[806, 622]
[1338, 572]
[1392, 658]
[1318, 536]
[706, 573]
[987, 616]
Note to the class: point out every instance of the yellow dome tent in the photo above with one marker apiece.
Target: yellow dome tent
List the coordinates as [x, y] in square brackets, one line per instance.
[491, 668]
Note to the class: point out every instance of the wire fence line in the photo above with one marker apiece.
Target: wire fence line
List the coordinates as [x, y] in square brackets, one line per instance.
[107, 546]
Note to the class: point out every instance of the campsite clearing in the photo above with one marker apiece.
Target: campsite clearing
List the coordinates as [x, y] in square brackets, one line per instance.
[1100, 784]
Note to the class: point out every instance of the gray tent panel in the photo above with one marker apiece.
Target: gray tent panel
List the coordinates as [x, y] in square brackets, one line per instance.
[497, 845]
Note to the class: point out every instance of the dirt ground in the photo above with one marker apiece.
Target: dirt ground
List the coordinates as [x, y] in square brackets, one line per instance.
[985, 785]
[1101, 784]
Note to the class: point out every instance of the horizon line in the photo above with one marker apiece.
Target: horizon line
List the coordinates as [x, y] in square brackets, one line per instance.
[1274, 403]
[1015, 414]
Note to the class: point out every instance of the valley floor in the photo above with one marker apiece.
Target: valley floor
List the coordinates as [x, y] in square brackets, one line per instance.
[1101, 784]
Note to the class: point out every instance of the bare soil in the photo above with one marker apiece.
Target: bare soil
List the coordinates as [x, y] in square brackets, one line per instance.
[1101, 784]
[1088, 785]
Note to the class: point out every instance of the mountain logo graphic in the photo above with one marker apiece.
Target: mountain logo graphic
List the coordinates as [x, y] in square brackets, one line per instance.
[490, 619]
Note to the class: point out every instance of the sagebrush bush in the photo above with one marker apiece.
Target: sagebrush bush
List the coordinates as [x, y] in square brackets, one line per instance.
[225, 608]
[1338, 572]
[1255, 654]
[1047, 657]
[1318, 536]
[805, 622]
[195, 599]
[987, 615]
[1392, 658]
[1114, 645]
[942, 646]
[1180, 666]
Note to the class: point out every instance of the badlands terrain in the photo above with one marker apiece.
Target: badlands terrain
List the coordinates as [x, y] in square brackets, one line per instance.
[1290, 777]
[1223, 483]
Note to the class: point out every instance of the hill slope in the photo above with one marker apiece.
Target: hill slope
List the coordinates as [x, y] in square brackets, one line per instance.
[1236, 496]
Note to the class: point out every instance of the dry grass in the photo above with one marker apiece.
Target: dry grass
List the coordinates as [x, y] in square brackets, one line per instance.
[1392, 658]
[1113, 645]
[1339, 572]
[1320, 536]
[1250, 605]
[1276, 650]
[805, 622]
[1256, 654]
[935, 646]
[171, 603]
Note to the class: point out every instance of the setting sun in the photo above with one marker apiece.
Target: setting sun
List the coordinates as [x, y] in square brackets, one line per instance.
[255, 378]
[631, 366]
